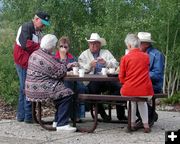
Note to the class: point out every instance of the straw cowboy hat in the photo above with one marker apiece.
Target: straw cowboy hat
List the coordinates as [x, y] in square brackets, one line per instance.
[95, 37]
[145, 37]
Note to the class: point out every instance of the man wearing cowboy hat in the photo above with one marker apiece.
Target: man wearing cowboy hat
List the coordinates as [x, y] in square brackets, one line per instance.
[156, 67]
[93, 60]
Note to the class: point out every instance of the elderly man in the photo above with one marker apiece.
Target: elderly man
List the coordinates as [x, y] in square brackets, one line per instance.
[156, 70]
[45, 82]
[27, 41]
[93, 60]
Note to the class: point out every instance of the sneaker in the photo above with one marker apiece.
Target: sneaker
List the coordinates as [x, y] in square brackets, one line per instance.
[54, 125]
[28, 121]
[20, 120]
[155, 117]
[105, 117]
[147, 130]
[122, 118]
[66, 128]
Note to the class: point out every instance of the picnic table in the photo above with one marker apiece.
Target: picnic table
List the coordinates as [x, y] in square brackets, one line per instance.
[94, 99]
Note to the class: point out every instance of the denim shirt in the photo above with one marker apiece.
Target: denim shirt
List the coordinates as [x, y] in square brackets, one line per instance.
[156, 68]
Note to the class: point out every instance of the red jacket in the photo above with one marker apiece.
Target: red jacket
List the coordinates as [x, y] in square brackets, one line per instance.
[25, 44]
[134, 74]
[21, 56]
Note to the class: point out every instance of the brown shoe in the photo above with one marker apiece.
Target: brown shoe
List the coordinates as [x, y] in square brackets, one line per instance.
[147, 130]
[134, 128]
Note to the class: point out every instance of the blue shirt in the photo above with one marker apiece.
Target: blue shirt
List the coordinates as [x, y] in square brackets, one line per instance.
[156, 68]
[99, 66]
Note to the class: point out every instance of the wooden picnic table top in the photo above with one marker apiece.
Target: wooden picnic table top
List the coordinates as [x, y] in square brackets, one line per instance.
[91, 77]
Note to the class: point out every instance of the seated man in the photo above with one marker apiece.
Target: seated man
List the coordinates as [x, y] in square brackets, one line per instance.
[44, 82]
[156, 70]
[93, 60]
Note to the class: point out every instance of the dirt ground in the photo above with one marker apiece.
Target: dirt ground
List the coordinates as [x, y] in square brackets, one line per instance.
[9, 112]
[6, 111]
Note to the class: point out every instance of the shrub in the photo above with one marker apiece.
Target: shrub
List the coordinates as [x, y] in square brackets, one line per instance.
[8, 77]
[175, 99]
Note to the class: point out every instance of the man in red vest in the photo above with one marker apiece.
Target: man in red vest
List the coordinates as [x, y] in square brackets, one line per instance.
[27, 40]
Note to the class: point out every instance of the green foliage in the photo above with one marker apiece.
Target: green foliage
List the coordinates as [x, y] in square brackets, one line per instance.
[175, 99]
[77, 19]
[8, 77]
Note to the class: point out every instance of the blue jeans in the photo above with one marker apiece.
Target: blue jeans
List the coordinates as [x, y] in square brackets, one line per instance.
[62, 110]
[81, 88]
[24, 110]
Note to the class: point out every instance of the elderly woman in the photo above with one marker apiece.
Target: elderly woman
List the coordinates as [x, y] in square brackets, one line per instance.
[44, 82]
[63, 55]
[134, 75]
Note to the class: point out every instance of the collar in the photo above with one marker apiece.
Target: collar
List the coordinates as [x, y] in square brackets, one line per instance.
[69, 56]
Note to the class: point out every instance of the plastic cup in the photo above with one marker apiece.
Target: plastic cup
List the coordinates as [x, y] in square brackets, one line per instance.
[75, 70]
[81, 72]
[104, 71]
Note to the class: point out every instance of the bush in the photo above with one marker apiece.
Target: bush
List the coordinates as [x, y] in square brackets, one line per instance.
[175, 99]
[9, 86]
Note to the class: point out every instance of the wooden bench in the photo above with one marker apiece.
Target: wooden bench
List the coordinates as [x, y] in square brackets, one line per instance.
[95, 99]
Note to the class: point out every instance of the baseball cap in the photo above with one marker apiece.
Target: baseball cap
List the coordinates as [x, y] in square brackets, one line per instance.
[44, 17]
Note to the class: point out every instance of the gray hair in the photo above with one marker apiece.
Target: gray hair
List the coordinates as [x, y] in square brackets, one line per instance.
[48, 42]
[133, 40]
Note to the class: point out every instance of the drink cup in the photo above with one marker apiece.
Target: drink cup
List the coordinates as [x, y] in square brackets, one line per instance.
[111, 70]
[75, 70]
[81, 72]
[104, 71]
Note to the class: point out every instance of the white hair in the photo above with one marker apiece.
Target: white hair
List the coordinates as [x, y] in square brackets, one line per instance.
[48, 42]
[133, 40]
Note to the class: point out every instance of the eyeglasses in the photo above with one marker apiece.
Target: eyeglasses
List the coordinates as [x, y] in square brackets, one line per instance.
[61, 46]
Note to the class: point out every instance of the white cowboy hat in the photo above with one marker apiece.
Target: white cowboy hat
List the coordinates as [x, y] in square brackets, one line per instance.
[95, 37]
[145, 37]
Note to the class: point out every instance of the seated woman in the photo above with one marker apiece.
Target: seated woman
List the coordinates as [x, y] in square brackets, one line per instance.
[134, 75]
[63, 55]
[44, 82]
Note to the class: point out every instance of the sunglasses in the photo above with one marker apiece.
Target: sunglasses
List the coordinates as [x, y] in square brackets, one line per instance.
[61, 46]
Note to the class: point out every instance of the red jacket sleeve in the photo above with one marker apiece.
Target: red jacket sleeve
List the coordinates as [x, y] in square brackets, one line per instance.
[32, 46]
[122, 72]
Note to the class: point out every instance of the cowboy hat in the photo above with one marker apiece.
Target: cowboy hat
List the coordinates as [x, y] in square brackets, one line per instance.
[145, 37]
[95, 37]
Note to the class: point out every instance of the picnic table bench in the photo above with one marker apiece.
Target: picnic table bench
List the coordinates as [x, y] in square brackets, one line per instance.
[111, 99]
[93, 99]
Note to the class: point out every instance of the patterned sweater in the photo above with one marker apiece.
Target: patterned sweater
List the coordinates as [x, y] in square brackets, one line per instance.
[44, 79]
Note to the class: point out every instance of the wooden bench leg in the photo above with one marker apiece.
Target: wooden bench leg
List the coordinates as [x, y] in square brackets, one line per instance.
[153, 109]
[41, 122]
[34, 112]
[129, 116]
[90, 130]
[109, 109]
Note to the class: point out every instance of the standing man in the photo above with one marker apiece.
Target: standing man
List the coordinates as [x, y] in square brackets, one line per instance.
[156, 70]
[93, 60]
[27, 40]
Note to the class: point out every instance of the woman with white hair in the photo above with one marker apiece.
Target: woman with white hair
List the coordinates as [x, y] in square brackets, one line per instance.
[44, 82]
[134, 75]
